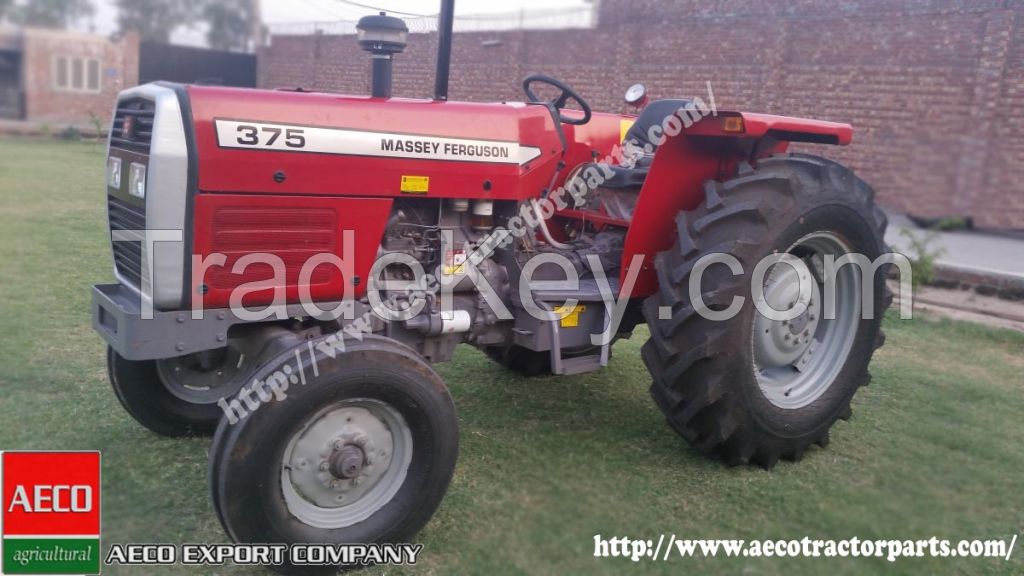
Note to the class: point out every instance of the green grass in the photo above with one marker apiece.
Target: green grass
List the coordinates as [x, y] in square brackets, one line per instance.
[935, 447]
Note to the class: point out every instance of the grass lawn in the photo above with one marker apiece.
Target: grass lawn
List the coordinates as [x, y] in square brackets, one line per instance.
[935, 447]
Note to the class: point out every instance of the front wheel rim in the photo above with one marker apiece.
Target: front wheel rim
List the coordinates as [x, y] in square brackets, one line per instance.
[796, 361]
[345, 463]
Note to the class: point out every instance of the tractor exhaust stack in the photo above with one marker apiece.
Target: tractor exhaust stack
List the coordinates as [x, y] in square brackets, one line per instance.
[445, 22]
[382, 36]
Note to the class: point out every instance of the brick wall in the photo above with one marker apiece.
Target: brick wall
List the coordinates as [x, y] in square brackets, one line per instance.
[119, 69]
[934, 88]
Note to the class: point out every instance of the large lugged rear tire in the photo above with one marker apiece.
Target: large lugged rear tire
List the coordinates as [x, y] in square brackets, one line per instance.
[360, 449]
[748, 389]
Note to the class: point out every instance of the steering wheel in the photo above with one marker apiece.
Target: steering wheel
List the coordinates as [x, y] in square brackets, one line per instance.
[559, 103]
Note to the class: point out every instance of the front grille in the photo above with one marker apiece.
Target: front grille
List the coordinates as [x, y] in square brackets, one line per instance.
[132, 128]
[127, 255]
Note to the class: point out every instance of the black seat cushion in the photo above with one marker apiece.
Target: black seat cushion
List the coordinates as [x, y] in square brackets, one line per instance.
[623, 177]
[636, 137]
[654, 114]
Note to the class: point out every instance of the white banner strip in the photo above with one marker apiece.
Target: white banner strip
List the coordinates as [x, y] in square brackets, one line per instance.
[291, 138]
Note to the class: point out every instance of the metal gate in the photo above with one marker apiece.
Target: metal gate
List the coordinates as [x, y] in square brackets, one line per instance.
[195, 65]
[11, 106]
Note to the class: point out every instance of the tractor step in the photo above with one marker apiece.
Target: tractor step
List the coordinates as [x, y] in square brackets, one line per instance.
[589, 292]
[581, 365]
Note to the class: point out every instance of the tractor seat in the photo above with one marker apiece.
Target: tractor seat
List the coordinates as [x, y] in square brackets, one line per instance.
[618, 194]
[636, 138]
[653, 115]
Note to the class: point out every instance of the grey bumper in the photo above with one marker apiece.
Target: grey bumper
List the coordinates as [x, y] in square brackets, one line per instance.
[117, 316]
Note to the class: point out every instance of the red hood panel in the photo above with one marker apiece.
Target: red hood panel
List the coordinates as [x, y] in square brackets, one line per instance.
[277, 142]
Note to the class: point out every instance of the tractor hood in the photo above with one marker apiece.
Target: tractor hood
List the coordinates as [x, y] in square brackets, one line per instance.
[285, 142]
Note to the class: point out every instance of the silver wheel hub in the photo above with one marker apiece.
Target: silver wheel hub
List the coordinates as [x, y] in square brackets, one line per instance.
[796, 360]
[204, 377]
[347, 462]
[783, 342]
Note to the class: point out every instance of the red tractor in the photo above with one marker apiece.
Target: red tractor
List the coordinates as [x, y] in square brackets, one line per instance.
[270, 249]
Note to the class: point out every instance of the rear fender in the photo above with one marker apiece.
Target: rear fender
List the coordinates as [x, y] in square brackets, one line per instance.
[709, 149]
[781, 128]
[674, 183]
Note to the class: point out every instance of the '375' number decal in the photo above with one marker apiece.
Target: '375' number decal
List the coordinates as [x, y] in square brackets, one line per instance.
[267, 136]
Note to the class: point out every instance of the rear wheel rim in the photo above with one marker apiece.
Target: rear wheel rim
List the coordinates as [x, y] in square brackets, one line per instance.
[796, 361]
[345, 463]
[187, 380]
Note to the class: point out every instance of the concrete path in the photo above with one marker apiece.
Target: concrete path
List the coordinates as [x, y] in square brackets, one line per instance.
[976, 253]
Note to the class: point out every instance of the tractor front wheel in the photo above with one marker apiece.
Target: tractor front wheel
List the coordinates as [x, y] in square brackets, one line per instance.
[359, 449]
[749, 385]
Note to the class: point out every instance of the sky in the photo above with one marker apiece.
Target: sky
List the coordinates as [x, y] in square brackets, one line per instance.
[295, 11]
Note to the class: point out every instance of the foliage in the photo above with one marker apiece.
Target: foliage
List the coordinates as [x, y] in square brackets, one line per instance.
[71, 134]
[923, 255]
[97, 125]
[229, 21]
[951, 223]
[156, 20]
[230, 24]
[47, 13]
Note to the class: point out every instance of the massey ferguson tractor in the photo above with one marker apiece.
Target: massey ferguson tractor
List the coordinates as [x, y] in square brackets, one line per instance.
[544, 231]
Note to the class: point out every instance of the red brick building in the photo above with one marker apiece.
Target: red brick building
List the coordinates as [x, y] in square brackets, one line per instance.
[934, 88]
[60, 77]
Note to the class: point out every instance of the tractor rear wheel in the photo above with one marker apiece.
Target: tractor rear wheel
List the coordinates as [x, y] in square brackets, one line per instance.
[358, 449]
[177, 396]
[752, 386]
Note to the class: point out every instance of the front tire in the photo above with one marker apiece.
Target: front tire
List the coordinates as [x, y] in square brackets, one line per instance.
[750, 389]
[362, 452]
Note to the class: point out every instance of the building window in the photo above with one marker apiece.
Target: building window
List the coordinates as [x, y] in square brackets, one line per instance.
[62, 73]
[92, 82]
[74, 74]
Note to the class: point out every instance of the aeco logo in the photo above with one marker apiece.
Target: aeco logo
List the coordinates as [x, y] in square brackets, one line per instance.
[51, 513]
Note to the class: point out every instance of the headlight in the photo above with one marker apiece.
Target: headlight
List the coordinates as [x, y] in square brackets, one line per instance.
[137, 180]
[114, 172]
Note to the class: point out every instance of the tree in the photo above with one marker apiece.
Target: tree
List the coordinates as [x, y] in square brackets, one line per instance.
[47, 13]
[156, 20]
[230, 24]
[233, 24]
[5, 7]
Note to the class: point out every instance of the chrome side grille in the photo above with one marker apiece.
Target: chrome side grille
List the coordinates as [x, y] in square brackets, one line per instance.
[127, 255]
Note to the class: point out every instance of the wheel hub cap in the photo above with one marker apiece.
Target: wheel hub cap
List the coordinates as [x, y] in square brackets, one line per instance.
[346, 463]
[204, 377]
[783, 342]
